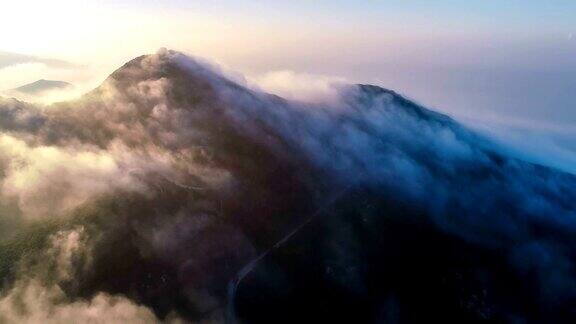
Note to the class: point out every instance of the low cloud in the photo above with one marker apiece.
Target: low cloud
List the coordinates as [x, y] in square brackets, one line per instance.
[32, 303]
[544, 143]
[300, 86]
[48, 179]
[32, 300]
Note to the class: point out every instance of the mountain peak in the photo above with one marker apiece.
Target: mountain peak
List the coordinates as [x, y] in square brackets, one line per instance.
[164, 63]
[168, 66]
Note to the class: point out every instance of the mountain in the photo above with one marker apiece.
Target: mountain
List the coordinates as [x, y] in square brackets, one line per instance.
[42, 85]
[172, 193]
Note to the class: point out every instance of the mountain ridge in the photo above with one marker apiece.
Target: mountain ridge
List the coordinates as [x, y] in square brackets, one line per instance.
[171, 183]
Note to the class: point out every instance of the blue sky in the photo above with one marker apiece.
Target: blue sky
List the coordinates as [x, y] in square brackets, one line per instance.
[550, 15]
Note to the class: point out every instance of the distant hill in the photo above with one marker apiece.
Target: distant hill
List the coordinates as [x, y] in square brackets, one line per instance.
[42, 85]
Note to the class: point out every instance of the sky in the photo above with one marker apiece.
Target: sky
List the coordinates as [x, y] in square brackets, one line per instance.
[488, 62]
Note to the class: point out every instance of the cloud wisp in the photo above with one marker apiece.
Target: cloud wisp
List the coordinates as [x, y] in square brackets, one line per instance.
[9, 59]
